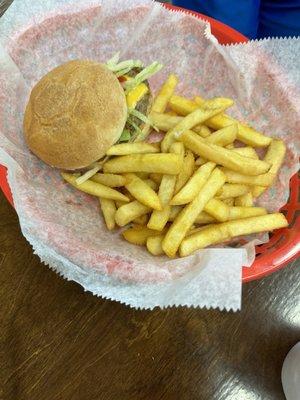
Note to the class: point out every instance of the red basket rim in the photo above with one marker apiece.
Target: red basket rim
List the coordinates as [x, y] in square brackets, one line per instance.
[225, 35]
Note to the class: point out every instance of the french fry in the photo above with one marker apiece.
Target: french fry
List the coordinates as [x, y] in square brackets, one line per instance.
[246, 152]
[142, 192]
[119, 203]
[183, 106]
[110, 180]
[154, 245]
[156, 178]
[245, 134]
[194, 185]
[258, 190]
[227, 230]
[196, 117]
[229, 201]
[95, 189]
[186, 172]
[175, 210]
[217, 209]
[152, 163]
[159, 219]
[202, 130]
[123, 149]
[138, 235]
[187, 217]
[245, 212]
[223, 136]
[203, 218]
[226, 158]
[108, 209]
[246, 200]
[143, 220]
[165, 122]
[152, 184]
[161, 101]
[230, 146]
[275, 156]
[130, 212]
[261, 180]
[232, 190]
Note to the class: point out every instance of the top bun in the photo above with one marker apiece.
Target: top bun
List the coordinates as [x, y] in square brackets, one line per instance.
[74, 114]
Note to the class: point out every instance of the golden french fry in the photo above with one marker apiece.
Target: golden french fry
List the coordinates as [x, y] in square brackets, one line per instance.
[261, 180]
[245, 212]
[161, 101]
[159, 219]
[229, 201]
[217, 209]
[245, 134]
[227, 230]
[246, 152]
[230, 146]
[154, 245]
[224, 136]
[108, 209]
[196, 117]
[95, 189]
[258, 190]
[246, 200]
[186, 172]
[219, 155]
[175, 210]
[183, 106]
[151, 163]
[202, 130]
[119, 203]
[143, 220]
[156, 178]
[130, 212]
[123, 149]
[110, 180]
[142, 192]
[232, 190]
[203, 218]
[138, 235]
[187, 217]
[165, 122]
[275, 156]
[191, 189]
[152, 184]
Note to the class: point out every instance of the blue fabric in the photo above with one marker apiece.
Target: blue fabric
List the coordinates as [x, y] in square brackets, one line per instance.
[253, 18]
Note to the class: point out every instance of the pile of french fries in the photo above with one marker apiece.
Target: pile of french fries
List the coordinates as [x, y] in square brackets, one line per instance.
[194, 189]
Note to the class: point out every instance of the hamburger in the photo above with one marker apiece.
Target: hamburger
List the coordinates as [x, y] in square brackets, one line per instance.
[80, 109]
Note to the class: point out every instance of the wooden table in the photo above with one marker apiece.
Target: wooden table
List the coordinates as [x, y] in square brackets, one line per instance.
[59, 343]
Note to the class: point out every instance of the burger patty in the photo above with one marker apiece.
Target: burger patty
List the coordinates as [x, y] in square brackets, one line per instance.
[143, 106]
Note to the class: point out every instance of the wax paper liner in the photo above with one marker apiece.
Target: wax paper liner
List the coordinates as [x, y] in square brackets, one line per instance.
[62, 224]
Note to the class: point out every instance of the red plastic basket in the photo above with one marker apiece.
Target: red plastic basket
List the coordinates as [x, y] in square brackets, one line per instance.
[284, 244]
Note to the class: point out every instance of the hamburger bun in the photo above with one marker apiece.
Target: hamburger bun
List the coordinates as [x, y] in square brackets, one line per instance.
[74, 114]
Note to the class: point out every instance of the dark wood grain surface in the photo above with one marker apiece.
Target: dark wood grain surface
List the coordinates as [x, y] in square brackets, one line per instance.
[59, 343]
